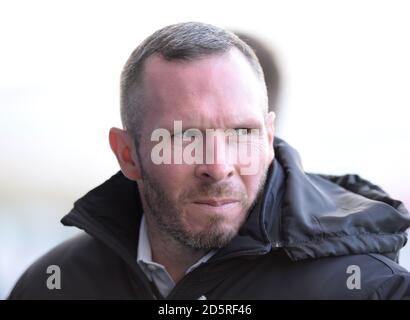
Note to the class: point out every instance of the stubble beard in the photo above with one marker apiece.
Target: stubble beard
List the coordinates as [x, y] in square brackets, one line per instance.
[168, 216]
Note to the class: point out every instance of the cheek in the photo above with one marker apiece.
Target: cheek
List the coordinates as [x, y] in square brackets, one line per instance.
[251, 184]
[258, 162]
[254, 157]
[173, 178]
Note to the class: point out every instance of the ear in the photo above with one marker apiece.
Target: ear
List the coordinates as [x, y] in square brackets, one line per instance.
[123, 147]
[270, 127]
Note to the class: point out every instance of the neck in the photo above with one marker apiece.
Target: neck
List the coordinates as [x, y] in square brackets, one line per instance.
[169, 252]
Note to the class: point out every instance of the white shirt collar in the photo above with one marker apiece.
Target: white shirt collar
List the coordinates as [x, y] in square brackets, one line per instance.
[156, 272]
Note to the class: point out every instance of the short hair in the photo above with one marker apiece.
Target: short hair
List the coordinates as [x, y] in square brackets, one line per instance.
[186, 41]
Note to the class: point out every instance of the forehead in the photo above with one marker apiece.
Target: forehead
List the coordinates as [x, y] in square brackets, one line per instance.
[215, 91]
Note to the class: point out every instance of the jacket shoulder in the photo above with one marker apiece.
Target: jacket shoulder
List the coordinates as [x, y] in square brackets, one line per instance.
[75, 268]
[361, 276]
[348, 277]
[394, 284]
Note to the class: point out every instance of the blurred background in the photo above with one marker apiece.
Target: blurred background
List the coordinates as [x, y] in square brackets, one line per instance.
[344, 100]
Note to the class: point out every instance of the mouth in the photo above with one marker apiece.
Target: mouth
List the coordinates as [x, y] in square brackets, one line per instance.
[227, 209]
[217, 202]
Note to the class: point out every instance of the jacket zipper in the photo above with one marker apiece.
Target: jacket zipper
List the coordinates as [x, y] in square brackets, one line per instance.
[88, 228]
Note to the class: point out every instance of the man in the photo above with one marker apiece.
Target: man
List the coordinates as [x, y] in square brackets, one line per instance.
[177, 226]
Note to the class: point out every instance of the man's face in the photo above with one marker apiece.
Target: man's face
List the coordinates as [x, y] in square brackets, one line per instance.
[203, 205]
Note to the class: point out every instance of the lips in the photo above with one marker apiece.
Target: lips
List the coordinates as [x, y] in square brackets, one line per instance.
[216, 202]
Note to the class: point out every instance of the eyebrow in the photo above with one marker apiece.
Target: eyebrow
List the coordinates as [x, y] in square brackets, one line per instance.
[188, 124]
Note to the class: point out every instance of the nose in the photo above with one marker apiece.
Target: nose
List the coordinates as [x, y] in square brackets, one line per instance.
[214, 172]
[217, 165]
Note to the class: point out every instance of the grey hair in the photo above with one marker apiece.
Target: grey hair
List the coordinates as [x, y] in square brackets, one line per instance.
[185, 42]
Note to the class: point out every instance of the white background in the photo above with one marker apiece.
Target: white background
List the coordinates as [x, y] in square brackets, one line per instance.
[345, 99]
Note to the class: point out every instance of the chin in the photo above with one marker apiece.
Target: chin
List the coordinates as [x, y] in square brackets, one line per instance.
[202, 215]
[216, 224]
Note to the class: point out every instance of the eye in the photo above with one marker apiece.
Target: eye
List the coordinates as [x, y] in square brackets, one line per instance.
[243, 131]
[191, 133]
[187, 134]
